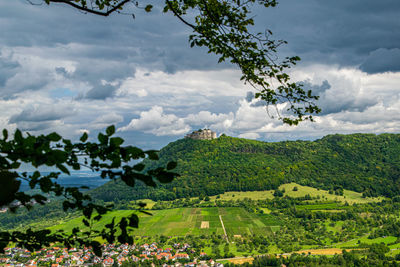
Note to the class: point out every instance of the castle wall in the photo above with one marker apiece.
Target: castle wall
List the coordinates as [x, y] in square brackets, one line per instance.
[205, 134]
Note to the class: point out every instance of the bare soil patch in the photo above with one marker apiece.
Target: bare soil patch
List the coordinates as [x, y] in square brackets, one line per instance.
[325, 251]
[205, 224]
[242, 260]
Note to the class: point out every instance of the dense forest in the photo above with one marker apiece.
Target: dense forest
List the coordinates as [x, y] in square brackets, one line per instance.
[365, 163]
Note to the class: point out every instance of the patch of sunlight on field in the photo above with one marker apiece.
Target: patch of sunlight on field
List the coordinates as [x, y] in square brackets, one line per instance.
[393, 252]
[149, 203]
[242, 260]
[265, 210]
[395, 246]
[273, 249]
[333, 226]
[366, 240]
[255, 195]
[350, 197]
[324, 251]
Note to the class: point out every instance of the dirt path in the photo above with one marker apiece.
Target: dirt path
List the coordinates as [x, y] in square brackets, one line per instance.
[223, 228]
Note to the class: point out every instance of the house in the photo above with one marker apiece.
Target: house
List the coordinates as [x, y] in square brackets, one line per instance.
[182, 256]
[4, 260]
[96, 260]
[164, 255]
[108, 261]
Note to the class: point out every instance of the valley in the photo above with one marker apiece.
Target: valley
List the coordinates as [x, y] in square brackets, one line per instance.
[305, 221]
[240, 201]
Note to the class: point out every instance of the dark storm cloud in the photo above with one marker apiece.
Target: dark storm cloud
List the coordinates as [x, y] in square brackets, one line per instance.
[153, 40]
[335, 32]
[41, 114]
[93, 71]
[100, 92]
[382, 60]
[35, 126]
[316, 89]
[342, 32]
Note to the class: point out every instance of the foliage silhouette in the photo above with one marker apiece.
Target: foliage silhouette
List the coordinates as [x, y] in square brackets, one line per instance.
[106, 156]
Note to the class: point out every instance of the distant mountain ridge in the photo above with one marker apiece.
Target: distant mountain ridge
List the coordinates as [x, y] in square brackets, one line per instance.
[365, 163]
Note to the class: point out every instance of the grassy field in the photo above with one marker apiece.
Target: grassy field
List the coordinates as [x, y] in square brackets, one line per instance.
[255, 195]
[350, 197]
[354, 242]
[240, 223]
[184, 221]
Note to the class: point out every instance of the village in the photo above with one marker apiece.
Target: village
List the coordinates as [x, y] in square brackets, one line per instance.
[179, 255]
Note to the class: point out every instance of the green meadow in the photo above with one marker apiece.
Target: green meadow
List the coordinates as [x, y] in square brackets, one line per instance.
[185, 221]
[349, 196]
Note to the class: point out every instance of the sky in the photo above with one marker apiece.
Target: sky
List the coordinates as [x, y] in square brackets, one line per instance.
[69, 72]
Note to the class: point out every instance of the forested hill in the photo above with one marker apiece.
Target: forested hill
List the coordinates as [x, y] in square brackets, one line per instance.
[365, 163]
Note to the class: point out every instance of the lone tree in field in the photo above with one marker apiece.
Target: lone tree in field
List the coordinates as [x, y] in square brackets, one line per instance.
[223, 26]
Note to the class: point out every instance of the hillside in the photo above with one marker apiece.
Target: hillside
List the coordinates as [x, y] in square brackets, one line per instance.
[364, 163]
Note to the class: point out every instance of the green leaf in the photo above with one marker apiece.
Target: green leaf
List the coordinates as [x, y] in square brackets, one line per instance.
[116, 141]
[18, 136]
[86, 222]
[148, 8]
[39, 198]
[62, 168]
[152, 154]
[165, 177]
[84, 137]
[9, 187]
[96, 248]
[59, 156]
[139, 167]
[110, 130]
[54, 137]
[87, 212]
[171, 165]
[133, 221]
[15, 165]
[103, 139]
[5, 134]
[129, 180]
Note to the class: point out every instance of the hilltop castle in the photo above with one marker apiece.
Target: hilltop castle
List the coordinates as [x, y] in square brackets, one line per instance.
[205, 134]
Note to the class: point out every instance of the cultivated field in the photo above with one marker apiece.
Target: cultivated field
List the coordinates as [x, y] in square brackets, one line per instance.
[195, 221]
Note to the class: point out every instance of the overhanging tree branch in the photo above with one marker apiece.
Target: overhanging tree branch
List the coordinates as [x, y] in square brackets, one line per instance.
[89, 10]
